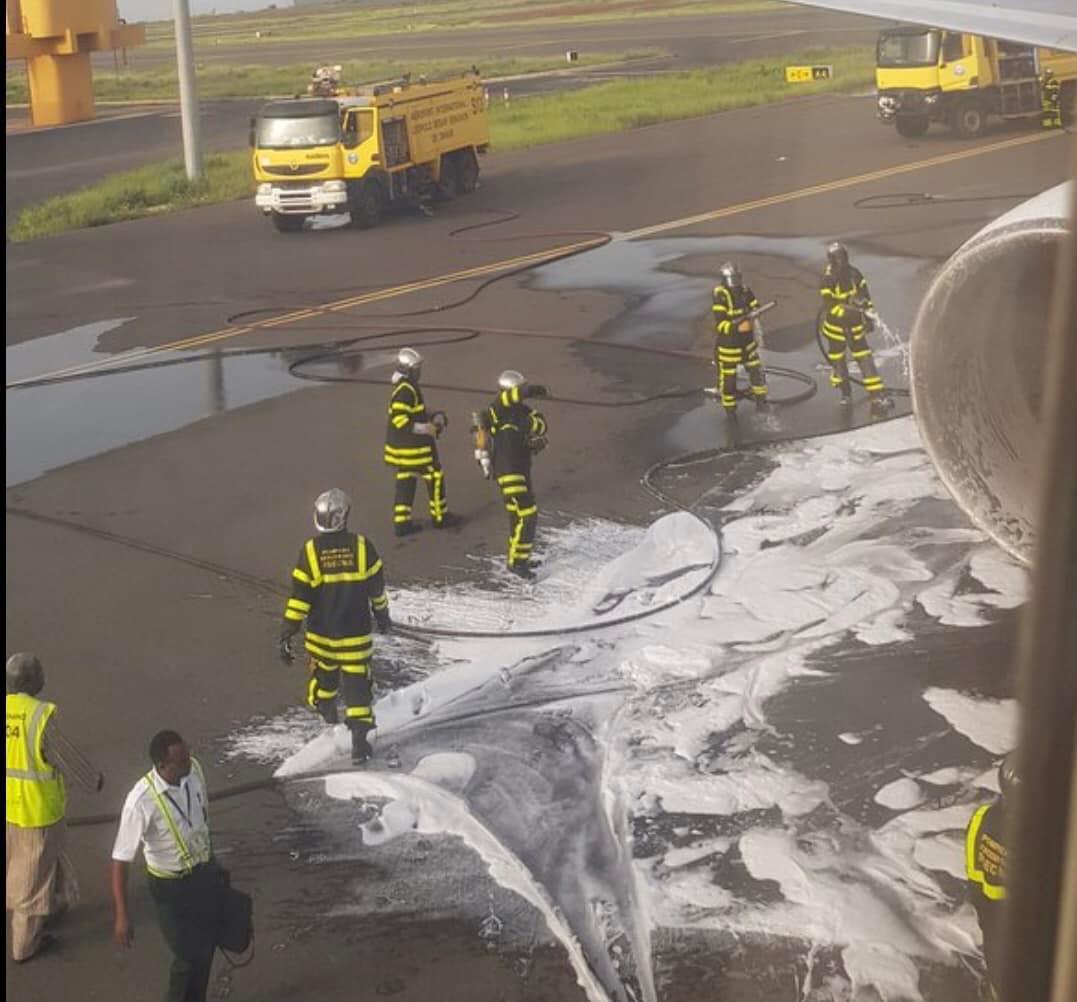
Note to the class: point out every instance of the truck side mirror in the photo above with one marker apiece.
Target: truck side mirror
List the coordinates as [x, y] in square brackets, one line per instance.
[250, 133]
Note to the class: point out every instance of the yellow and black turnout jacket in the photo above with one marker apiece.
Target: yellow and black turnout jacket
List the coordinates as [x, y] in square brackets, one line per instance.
[337, 581]
[403, 447]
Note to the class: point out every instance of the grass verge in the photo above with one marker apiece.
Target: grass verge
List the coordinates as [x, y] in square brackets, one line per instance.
[629, 104]
[221, 80]
[602, 108]
[145, 191]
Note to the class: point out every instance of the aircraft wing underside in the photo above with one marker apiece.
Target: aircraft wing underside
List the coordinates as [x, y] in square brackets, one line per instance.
[1033, 22]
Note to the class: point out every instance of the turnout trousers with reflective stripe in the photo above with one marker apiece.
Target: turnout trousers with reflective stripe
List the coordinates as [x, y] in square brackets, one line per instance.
[406, 481]
[838, 340]
[188, 914]
[731, 351]
[351, 681]
[523, 516]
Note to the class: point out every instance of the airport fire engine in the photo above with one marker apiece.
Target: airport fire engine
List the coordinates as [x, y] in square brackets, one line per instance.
[358, 150]
[925, 75]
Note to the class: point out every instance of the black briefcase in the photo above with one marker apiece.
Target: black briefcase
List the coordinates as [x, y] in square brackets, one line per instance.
[235, 917]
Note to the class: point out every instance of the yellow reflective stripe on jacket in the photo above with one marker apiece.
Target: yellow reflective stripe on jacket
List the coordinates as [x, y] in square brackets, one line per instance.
[994, 892]
[312, 562]
[362, 640]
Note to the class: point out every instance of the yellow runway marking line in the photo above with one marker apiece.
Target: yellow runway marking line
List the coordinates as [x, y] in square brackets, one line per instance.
[394, 292]
[838, 185]
[198, 340]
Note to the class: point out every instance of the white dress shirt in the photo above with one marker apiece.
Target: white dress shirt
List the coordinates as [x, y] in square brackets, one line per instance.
[142, 823]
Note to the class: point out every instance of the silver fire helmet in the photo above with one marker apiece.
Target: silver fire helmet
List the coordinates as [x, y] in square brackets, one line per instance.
[510, 379]
[331, 510]
[730, 273]
[408, 360]
[23, 673]
[837, 256]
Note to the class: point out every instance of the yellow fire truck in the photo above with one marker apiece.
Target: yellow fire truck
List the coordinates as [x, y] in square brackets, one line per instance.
[925, 75]
[360, 150]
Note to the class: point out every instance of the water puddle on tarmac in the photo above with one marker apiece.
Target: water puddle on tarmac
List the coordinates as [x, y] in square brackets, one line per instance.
[49, 426]
[667, 285]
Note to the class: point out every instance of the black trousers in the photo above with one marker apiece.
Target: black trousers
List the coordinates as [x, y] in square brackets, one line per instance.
[187, 911]
[406, 480]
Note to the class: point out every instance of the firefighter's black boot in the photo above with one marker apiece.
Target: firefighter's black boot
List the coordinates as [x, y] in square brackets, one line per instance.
[522, 569]
[361, 750]
[406, 529]
[450, 520]
[846, 398]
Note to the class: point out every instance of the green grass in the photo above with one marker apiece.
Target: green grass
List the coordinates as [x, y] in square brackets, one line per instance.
[220, 80]
[145, 191]
[344, 20]
[602, 108]
[629, 104]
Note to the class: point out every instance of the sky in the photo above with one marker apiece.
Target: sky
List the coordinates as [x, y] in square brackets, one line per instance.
[160, 10]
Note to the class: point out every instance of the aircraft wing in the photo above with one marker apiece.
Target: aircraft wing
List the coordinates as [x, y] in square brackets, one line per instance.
[1049, 23]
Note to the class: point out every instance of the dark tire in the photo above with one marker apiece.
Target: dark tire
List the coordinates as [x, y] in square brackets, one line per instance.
[467, 172]
[968, 118]
[446, 187]
[368, 206]
[912, 126]
[287, 224]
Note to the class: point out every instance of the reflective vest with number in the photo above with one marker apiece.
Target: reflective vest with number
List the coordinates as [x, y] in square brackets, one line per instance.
[190, 856]
[36, 797]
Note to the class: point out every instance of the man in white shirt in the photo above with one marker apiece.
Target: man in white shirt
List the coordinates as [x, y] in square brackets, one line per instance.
[167, 814]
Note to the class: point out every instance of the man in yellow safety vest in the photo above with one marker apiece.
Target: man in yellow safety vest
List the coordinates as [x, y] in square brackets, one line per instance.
[985, 863]
[41, 882]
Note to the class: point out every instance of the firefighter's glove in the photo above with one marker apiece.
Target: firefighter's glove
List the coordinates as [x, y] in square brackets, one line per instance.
[284, 649]
[536, 390]
[440, 421]
[424, 428]
[538, 443]
[382, 621]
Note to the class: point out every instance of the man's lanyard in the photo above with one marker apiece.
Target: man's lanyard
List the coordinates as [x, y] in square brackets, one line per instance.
[186, 815]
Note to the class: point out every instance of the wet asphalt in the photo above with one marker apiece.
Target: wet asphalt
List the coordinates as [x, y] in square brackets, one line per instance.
[189, 471]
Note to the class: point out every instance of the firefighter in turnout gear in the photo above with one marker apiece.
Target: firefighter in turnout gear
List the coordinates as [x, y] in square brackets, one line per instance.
[845, 324]
[411, 449]
[337, 582]
[985, 863]
[736, 341]
[1050, 101]
[515, 433]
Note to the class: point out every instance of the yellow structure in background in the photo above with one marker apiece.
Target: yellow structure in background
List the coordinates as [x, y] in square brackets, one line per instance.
[56, 37]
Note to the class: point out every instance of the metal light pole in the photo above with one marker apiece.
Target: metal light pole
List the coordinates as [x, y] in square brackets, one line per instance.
[188, 90]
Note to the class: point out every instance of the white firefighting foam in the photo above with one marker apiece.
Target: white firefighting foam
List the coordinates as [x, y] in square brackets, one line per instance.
[828, 547]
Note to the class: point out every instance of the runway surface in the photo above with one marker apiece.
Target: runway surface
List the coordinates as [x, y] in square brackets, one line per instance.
[156, 511]
[42, 163]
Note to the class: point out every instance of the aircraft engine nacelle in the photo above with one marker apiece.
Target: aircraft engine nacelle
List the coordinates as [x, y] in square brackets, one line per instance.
[977, 356]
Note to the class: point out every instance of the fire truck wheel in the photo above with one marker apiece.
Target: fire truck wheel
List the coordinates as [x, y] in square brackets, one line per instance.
[968, 118]
[467, 172]
[369, 205]
[287, 224]
[447, 181]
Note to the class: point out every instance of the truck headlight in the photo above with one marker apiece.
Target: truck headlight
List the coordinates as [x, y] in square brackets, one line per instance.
[265, 189]
[333, 187]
